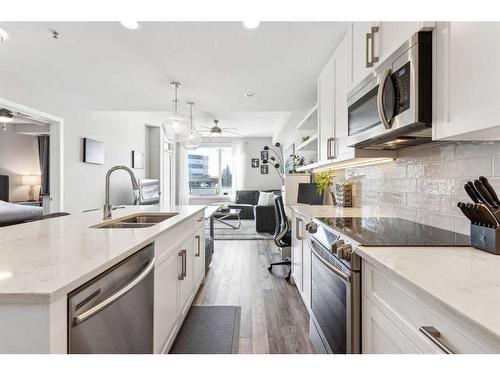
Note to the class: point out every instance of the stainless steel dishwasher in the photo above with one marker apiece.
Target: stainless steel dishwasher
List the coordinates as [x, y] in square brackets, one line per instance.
[113, 313]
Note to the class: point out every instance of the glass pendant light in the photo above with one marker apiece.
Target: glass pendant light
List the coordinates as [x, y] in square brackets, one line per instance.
[175, 127]
[193, 138]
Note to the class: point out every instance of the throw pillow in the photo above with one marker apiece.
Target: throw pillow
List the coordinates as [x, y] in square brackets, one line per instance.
[265, 199]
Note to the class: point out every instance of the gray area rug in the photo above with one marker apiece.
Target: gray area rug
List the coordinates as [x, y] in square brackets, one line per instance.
[245, 232]
[209, 330]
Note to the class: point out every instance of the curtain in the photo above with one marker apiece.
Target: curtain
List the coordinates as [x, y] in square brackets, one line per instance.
[239, 167]
[44, 160]
[182, 175]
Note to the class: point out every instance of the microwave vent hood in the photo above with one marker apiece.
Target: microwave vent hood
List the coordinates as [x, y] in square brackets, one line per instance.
[420, 134]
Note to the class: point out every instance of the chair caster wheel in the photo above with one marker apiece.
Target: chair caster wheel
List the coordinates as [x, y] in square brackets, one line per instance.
[270, 268]
[287, 278]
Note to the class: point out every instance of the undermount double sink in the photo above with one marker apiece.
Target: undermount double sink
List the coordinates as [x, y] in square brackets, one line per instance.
[141, 220]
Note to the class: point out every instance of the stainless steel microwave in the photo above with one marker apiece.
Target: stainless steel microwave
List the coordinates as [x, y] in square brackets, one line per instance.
[392, 108]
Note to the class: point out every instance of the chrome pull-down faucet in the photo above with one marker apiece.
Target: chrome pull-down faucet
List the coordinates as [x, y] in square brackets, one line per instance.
[107, 206]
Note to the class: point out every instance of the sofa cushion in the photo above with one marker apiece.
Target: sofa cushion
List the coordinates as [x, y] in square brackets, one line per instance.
[247, 196]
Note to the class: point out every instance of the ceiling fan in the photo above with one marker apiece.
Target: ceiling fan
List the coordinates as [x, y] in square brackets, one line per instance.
[216, 130]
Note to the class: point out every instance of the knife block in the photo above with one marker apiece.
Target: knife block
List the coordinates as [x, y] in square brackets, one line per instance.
[484, 238]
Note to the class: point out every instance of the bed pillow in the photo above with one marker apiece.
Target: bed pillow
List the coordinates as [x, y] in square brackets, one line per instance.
[265, 199]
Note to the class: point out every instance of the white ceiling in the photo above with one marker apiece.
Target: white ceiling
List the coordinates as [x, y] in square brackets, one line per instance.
[112, 68]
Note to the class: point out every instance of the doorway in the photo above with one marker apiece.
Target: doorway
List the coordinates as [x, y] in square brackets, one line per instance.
[32, 122]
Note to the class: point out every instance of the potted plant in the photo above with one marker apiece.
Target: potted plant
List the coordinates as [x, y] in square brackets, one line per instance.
[324, 183]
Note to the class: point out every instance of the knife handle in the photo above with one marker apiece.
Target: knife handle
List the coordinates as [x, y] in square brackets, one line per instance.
[465, 211]
[484, 194]
[488, 214]
[490, 189]
[471, 191]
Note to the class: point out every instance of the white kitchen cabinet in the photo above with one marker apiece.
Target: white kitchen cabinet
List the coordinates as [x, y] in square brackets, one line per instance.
[306, 269]
[341, 79]
[166, 305]
[386, 299]
[326, 130]
[467, 81]
[373, 42]
[199, 257]
[296, 250]
[392, 35]
[381, 336]
[361, 35]
[187, 275]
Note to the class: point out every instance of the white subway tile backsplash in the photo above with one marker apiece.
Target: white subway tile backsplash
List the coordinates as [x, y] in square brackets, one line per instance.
[425, 183]
[427, 170]
[476, 150]
[440, 186]
[393, 198]
[467, 167]
[427, 201]
[404, 185]
[436, 219]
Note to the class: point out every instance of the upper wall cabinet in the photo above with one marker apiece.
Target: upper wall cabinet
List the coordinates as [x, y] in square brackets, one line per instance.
[372, 42]
[326, 108]
[467, 81]
[341, 79]
[363, 55]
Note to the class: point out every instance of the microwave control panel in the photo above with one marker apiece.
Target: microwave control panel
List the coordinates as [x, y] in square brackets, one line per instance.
[401, 81]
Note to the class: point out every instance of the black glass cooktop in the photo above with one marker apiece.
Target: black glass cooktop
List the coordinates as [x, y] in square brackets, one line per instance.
[390, 231]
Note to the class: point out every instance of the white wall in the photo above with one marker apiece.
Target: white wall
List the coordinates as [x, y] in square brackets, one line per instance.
[254, 180]
[120, 131]
[18, 156]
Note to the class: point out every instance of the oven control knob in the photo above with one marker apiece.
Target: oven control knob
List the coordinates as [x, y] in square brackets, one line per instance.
[336, 245]
[344, 252]
[312, 227]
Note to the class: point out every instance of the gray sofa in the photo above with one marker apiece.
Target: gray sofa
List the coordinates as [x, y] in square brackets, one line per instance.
[264, 217]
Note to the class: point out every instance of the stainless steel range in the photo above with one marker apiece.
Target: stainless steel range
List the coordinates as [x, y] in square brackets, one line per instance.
[336, 269]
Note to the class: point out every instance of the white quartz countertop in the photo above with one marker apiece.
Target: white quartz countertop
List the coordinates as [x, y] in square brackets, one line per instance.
[40, 261]
[464, 280]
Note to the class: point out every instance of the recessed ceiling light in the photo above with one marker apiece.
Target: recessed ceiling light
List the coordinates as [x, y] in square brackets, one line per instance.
[131, 25]
[250, 25]
[250, 94]
[3, 35]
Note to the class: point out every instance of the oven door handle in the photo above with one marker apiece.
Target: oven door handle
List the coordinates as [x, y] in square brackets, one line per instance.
[344, 276]
[380, 98]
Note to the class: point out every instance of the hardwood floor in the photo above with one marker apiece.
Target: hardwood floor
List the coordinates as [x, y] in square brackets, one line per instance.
[273, 317]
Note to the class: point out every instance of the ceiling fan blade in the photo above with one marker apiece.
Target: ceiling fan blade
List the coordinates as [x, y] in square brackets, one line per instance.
[231, 132]
[224, 128]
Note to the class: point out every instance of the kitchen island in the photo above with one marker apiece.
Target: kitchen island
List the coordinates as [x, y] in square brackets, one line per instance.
[41, 262]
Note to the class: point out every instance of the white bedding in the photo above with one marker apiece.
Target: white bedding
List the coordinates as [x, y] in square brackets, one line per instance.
[16, 212]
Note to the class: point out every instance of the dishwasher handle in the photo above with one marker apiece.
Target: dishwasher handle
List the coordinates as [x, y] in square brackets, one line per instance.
[108, 301]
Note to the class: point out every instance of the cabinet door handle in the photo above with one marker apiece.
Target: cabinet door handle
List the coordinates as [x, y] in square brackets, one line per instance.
[183, 255]
[374, 58]
[198, 238]
[298, 235]
[435, 336]
[368, 63]
[331, 148]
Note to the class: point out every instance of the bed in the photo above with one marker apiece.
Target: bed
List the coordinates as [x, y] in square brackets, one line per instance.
[11, 213]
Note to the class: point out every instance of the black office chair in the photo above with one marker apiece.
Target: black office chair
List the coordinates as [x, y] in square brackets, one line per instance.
[282, 234]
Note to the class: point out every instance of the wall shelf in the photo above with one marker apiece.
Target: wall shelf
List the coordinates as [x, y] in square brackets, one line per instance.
[310, 145]
[310, 119]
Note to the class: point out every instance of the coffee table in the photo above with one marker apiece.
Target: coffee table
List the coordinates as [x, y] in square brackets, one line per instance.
[233, 213]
